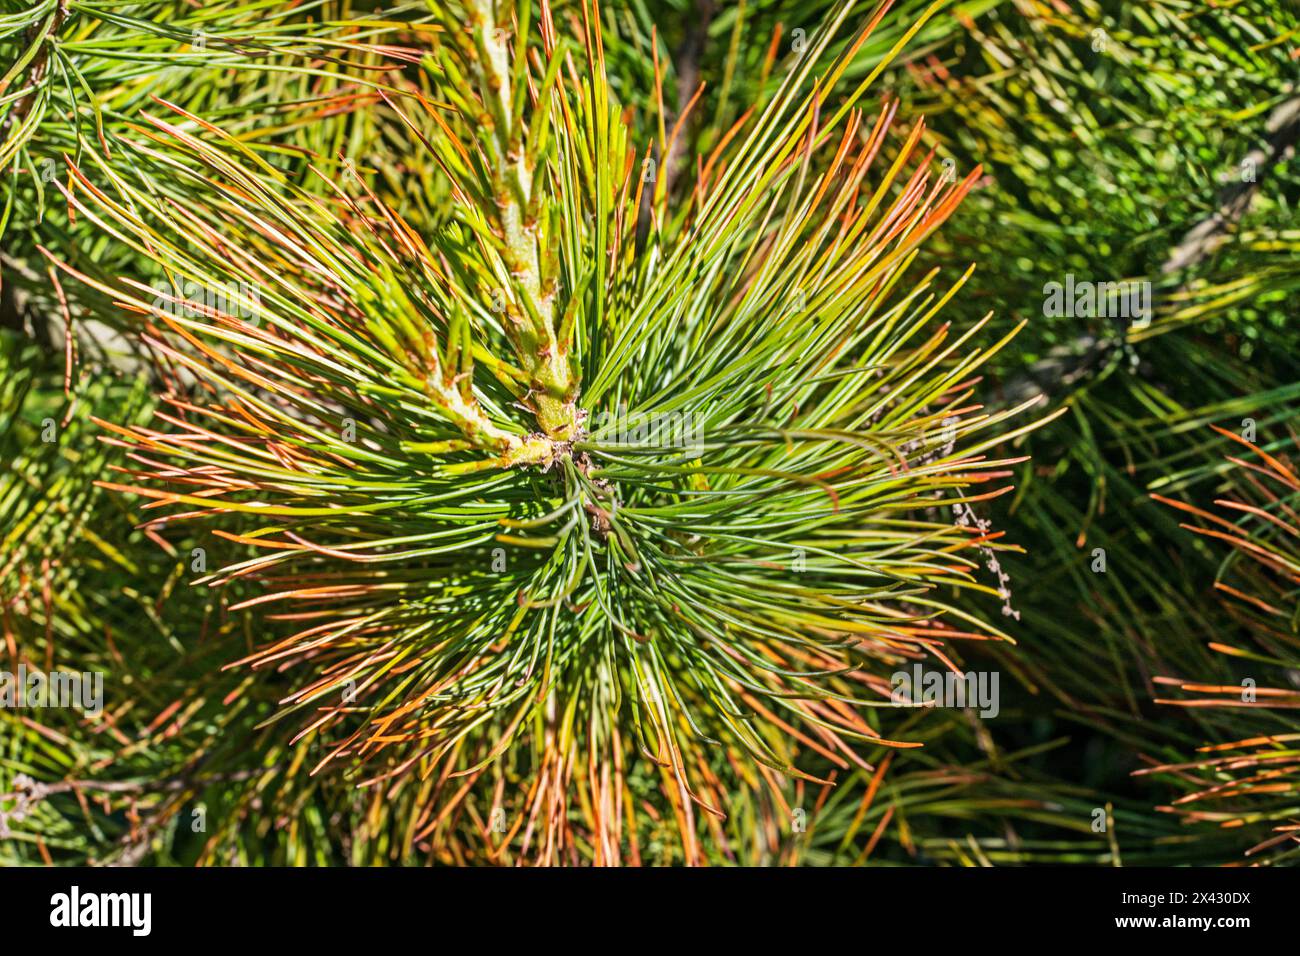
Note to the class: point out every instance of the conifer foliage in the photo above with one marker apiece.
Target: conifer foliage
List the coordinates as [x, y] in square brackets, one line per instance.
[523, 452]
[580, 480]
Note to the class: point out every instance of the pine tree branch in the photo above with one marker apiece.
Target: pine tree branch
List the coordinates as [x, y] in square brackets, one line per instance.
[1210, 233]
[1070, 364]
[545, 357]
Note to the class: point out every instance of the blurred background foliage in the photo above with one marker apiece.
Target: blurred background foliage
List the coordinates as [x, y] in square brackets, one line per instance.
[1150, 141]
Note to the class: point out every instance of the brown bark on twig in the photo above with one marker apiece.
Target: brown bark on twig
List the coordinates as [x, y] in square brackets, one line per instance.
[1087, 353]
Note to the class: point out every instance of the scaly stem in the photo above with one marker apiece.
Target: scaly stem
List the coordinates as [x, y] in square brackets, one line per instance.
[553, 384]
[458, 403]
